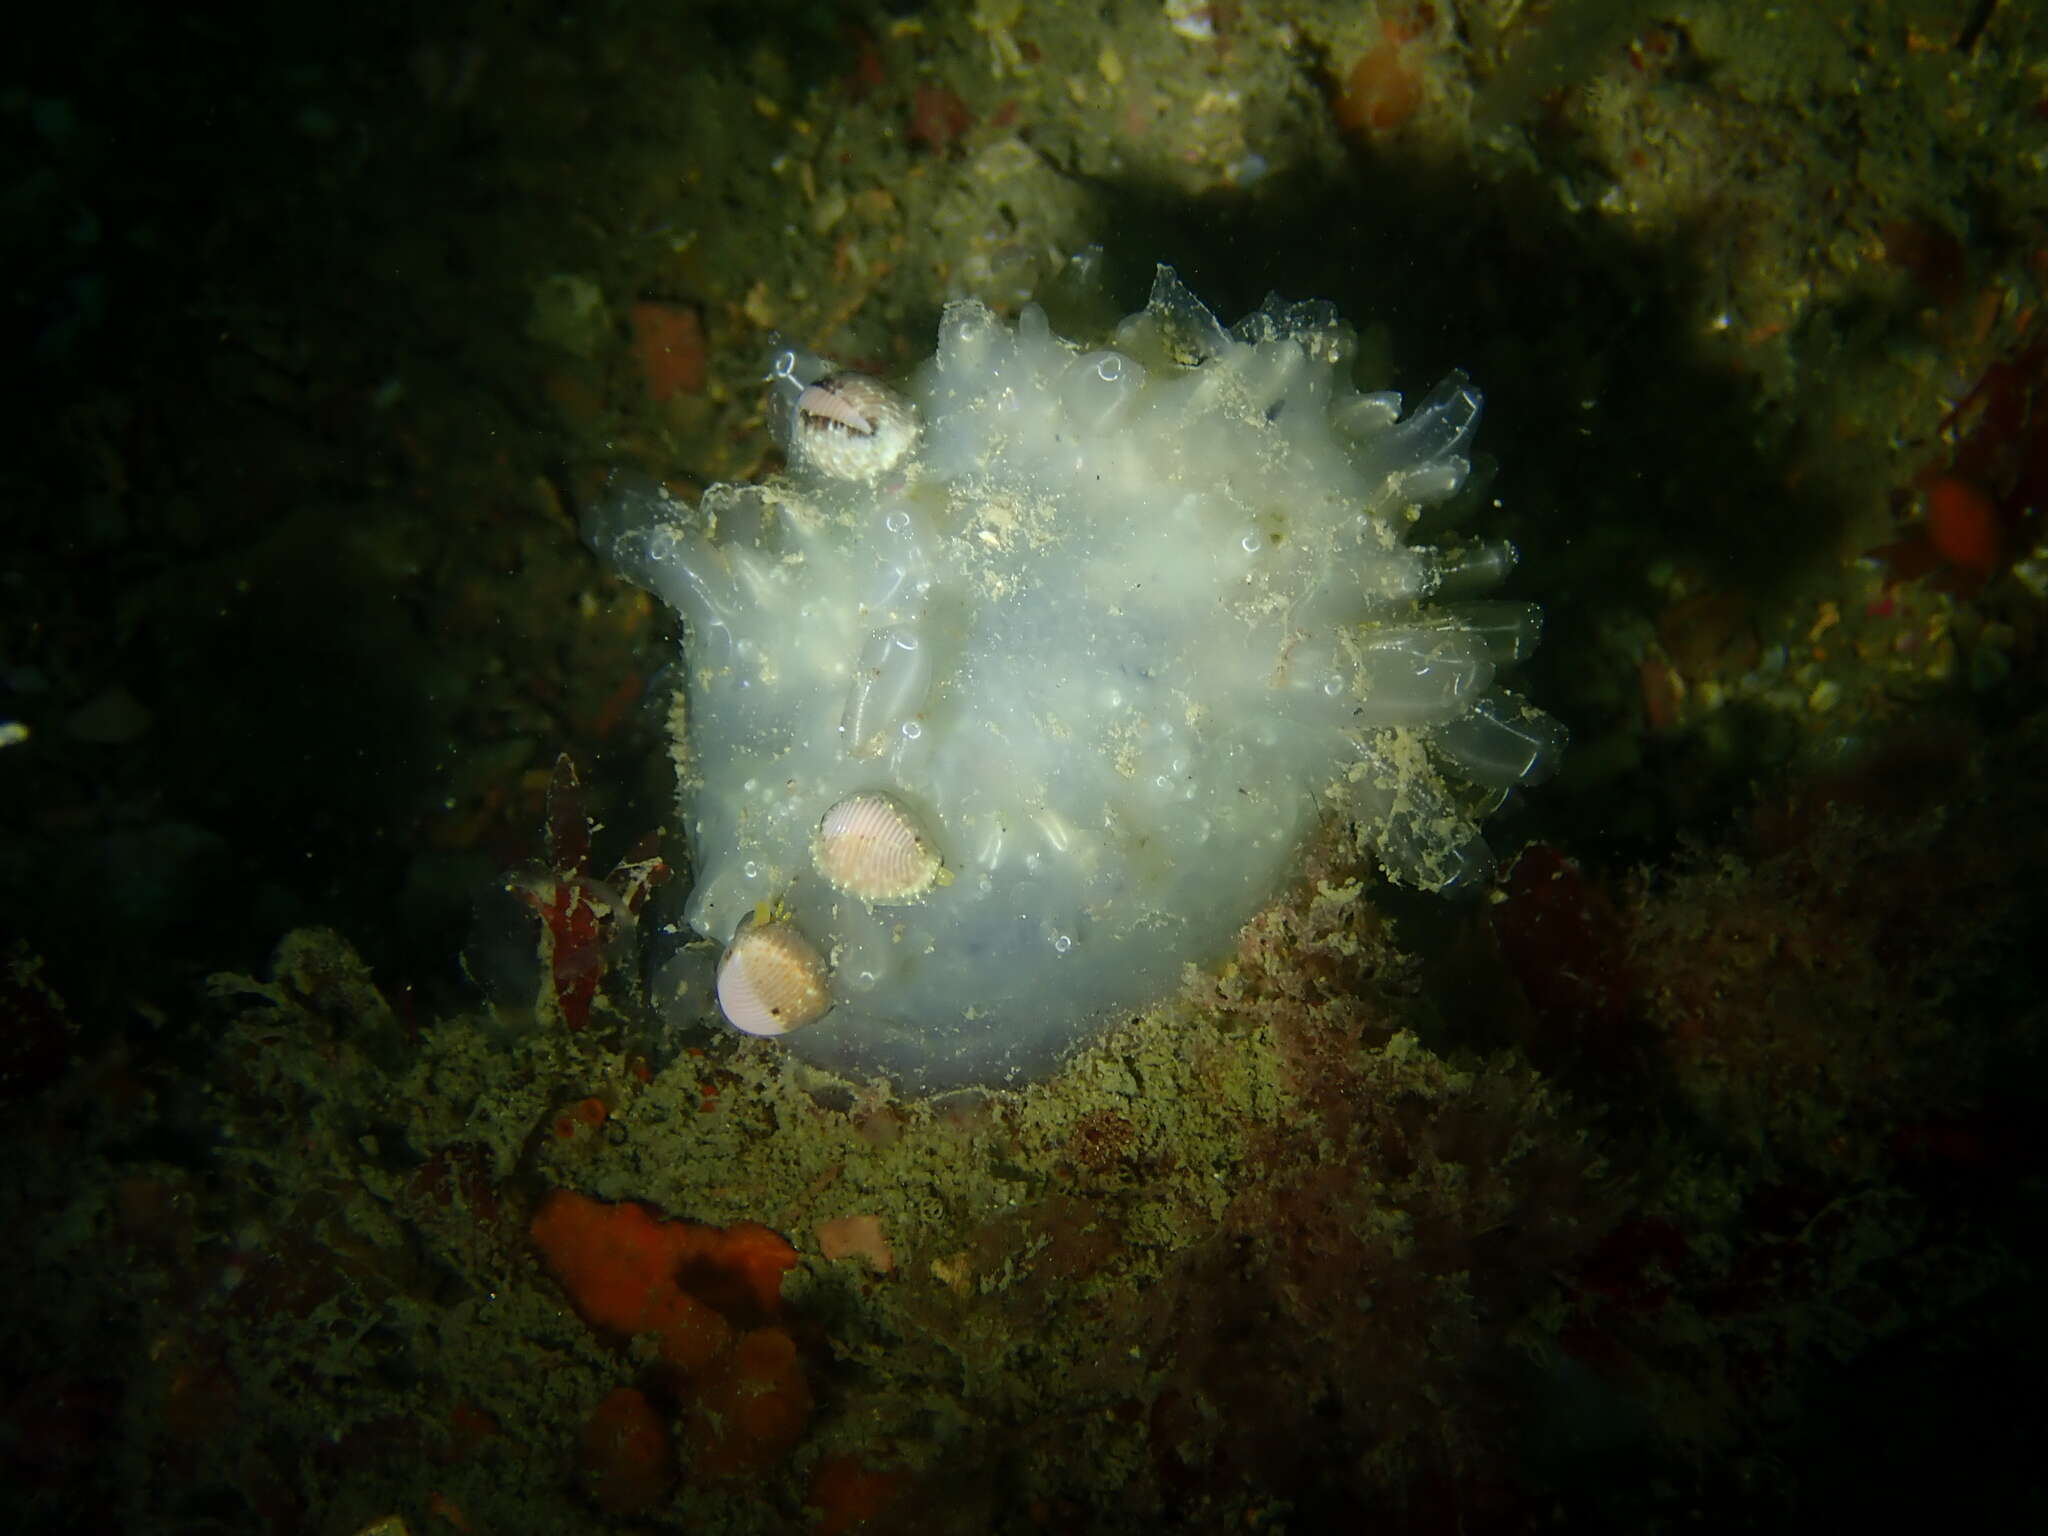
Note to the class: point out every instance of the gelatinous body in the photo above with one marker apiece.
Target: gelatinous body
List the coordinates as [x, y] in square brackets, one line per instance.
[1114, 630]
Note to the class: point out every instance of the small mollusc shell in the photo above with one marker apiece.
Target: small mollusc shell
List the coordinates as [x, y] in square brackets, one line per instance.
[852, 427]
[871, 847]
[772, 981]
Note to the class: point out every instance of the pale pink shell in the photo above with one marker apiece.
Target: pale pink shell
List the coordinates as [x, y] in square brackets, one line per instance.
[772, 980]
[870, 846]
[851, 427]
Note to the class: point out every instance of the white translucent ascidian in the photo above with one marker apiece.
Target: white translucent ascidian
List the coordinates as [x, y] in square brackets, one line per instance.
[1024, 687]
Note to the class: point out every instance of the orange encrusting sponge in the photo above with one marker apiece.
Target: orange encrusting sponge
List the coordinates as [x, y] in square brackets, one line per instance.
[1963, 526]
[628, 1460]
[669, 344]
[621, 1264]
[1385, 87]
[751, 1409]
[846, 1494]
[711, 1298]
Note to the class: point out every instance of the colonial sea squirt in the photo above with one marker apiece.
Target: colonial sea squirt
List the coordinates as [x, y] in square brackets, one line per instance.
[1025, 687]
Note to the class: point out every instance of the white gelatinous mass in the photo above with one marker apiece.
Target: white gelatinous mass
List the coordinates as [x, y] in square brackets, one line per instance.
[1115, 629]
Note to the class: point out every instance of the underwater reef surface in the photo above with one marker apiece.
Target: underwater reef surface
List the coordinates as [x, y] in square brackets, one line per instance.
[1689, 1171]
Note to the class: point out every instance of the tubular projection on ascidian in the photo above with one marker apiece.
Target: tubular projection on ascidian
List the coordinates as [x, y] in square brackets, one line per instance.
[1021, 689]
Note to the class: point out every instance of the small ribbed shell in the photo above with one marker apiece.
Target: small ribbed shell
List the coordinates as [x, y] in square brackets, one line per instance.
[871, 847]
[772, 980]
[851, 427]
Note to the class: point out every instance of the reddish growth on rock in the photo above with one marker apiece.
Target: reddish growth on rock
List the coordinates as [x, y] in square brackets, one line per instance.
[711, 1297]
[627, 1457]
[669, 344]
[629, 1271]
